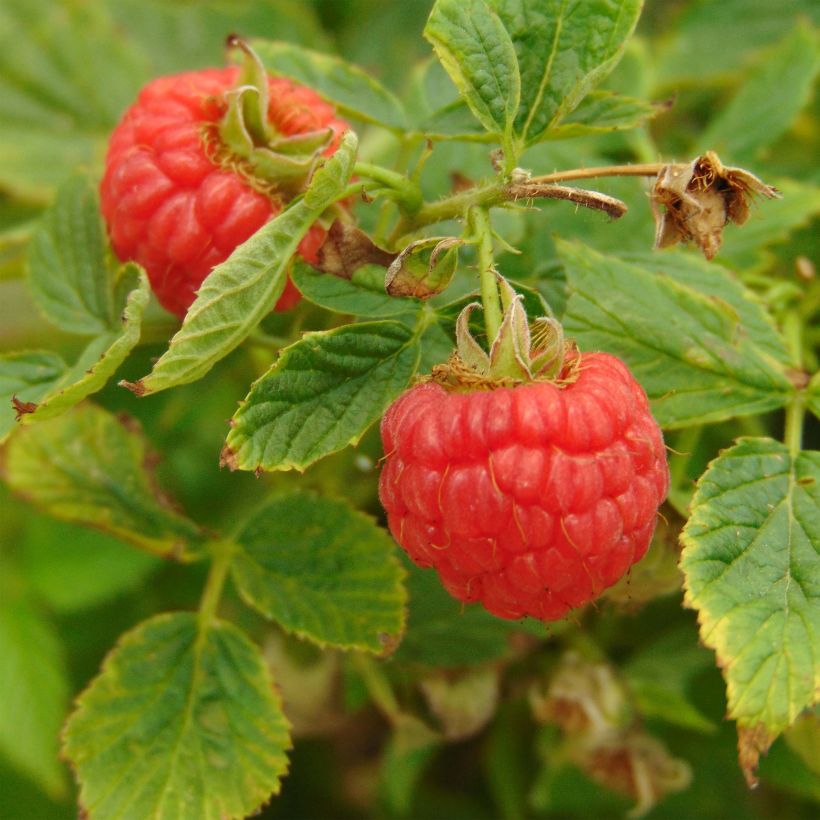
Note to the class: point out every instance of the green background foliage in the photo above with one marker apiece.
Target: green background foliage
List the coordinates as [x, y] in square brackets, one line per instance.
[201, 711]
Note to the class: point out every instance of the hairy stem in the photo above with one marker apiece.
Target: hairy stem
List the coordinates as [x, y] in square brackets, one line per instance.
[646, 169]
[490, 299]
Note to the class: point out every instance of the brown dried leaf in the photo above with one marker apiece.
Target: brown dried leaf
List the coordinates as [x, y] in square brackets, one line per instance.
[346, 249]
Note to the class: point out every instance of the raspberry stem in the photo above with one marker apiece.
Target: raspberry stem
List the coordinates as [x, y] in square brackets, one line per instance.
[480, 227]
[405, 192]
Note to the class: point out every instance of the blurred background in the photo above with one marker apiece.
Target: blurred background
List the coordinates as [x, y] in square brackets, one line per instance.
[464, 736]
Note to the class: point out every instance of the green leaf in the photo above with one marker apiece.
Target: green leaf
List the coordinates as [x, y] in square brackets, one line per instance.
[564, 48]
[746, 247]
[89, 468]
[321, 395]
[70, 274]
[34, 683]
[66, 74]
[442, 632]
[241, 291]
[710, 41]
[28, 376]
[351, 297]
[690, 351]
[813, 394]
[103, 355]
[183, 721]
[661, 688]
[72, 568]
[323, 571]
[602, 111]
[752, 570]
[723, 287]
[353, 91]
[478, 54]
[768, 101]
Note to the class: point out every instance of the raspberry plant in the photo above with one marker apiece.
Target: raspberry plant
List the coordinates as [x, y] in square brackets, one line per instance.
[184, 641]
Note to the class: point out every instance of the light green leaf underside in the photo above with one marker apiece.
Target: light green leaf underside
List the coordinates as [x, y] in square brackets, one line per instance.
[28, 375]
[180, 723]
[752, 571]
[321, 395]
[354, 92]
[101, 358]
[241, 291]
[34, 683]
[478, 54]
[768, 101]
[564, 48]
[690, 351]
[70, 274]
[87, 467]
[351, 297]
[323, 571]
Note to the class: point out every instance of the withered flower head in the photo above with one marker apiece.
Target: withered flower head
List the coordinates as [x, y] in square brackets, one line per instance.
[699, 198]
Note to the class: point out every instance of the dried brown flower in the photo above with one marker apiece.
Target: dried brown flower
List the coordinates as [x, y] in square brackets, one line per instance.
[699, 198]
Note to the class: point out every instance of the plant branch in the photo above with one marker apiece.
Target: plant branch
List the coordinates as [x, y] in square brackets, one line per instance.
[646, 169]
[500, 193]
[405, 192]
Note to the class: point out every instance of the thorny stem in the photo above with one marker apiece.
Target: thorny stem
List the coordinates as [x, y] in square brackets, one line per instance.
[482, 232]
[222, 555]
[499, 193]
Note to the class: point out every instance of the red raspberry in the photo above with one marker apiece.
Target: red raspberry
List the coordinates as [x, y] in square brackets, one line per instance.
[531, 499]
[169, 206]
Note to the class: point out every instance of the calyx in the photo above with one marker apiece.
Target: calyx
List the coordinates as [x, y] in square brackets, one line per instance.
[248, 142]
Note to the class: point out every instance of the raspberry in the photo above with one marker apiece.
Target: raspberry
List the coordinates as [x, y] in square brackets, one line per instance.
[530, 499]
[170, 206]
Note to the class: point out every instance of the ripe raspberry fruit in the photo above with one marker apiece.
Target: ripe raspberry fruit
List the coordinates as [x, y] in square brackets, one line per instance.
[177, 201]
[531, 499]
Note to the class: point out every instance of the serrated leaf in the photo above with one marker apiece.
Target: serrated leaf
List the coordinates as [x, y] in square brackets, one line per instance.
[70, 274]
[602, 111]
[183, 721]
[66, 74]
[103, 355]
[28, 376]
[478, 54]
[564, 48]
[690, 351]
[768, 101]
[752, 570]
[321, 395]
[89, 468]
[34, 683]
[241, 291]
[323, 571]
[353, 91]
[351, 296]
[721, 285]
